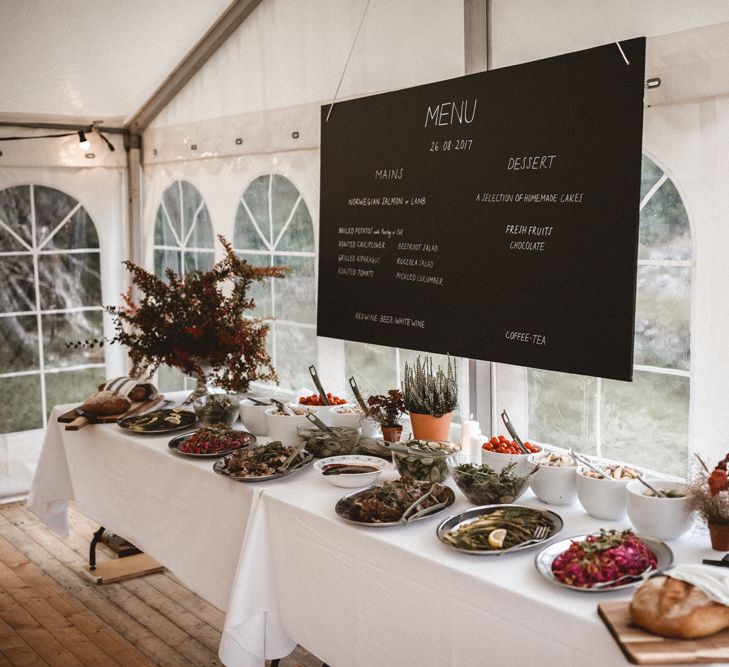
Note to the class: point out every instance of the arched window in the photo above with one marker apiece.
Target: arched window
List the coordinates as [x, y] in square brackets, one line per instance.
[183, 241]
[644, 422]
[51, 295]
[273, 227]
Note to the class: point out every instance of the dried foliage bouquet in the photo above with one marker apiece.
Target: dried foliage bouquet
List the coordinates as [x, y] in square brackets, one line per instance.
[709, 493]
[428, 392]
[190, 323]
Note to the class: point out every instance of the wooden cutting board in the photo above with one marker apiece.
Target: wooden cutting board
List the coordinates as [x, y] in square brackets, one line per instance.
[644, 648]
[74, 422]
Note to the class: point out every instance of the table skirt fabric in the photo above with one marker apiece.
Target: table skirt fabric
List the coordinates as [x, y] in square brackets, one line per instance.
[287, 570]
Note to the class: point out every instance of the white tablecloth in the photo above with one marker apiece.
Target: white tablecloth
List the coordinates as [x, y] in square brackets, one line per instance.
[296, 573]
[176, 509]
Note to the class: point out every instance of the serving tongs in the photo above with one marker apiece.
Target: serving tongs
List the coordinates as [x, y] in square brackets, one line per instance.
[289, 466]
[321, 425]
[283, 407]
[583, 460]
[255, 401]
[410, 514]
[319, 387]
[512, 431]
[357, 394]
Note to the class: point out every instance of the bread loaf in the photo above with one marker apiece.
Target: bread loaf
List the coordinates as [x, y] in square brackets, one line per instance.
[673, 608]
[106, 403]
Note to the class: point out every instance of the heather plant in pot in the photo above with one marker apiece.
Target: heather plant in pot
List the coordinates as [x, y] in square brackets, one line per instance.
[431, 396]
[709, 496]
[387, 410]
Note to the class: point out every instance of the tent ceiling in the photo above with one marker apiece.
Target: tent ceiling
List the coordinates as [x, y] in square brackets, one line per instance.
[93, 59]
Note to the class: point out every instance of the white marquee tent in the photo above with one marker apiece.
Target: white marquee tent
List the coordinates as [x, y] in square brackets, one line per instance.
[212, 105]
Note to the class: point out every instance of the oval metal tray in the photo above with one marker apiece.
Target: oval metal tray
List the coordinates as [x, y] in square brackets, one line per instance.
[342, 505]
[544, 560]
[471, 515]
[219, 467]
[186, 422]
[175, 443]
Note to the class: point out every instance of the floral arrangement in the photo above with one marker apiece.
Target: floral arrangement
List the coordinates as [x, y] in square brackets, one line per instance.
[386, 409]
[709, 493]
[192, 324]
[428, 392]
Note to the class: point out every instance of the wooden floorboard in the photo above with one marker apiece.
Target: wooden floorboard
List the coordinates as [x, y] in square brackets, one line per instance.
[51, 615]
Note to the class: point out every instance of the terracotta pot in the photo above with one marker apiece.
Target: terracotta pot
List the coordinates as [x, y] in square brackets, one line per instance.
[391, 433]
[428, 427]
[719, 533]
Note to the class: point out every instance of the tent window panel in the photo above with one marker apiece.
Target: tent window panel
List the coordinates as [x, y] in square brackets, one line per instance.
[246, 235]
[60, 328]
[261, 293]
[18, 281]
[51, 208]
[15, 212]
[78, 232]
[562, 409]
[201, 233]
[8, 242]
[20, 408]
[19, 351]
[293, 348]
[665, 232]
[163, 235]
[373, 366]
[69, 281]
[256, 202]
[645, 421]
[198, 261]
[171, 200]
[284, 203]
[297, 291]
[72, 386]
[650, 172]
[663, 315]
[166, 259]
[299, 232]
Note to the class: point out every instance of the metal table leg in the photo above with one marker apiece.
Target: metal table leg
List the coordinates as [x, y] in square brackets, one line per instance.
[92, 548]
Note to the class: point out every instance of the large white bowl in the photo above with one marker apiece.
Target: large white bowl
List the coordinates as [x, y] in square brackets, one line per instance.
[553, 485]
[602, 498]
[662, 518]
[253, 416]
[358, 479]
[283, 427]
[497, 462]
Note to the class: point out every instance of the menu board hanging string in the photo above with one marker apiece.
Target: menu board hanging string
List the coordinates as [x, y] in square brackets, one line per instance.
[341, 78]
[610, 30]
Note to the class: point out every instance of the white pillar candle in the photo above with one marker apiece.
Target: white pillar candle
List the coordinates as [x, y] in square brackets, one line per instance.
[469, 430]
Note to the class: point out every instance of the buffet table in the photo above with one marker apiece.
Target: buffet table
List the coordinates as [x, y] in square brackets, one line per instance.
[287, 570]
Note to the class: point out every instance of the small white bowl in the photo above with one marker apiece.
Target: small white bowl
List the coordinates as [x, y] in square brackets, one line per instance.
[253, 416]
[283, 427]
[554, 485]
[662, 518]
[340, 415]
[602, 498]
[353, 481]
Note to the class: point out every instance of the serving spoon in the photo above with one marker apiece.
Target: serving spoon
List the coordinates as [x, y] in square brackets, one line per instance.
[512, 431]
[587, 464]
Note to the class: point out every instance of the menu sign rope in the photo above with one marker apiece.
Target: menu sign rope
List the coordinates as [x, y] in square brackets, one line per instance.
[493, 216]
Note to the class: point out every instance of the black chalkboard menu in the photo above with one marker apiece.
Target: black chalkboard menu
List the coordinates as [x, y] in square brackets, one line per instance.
[493, 216]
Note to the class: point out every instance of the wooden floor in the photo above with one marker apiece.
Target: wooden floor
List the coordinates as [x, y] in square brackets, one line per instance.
[50, 614]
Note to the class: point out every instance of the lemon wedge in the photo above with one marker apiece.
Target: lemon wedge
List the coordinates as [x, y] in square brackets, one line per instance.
[497, 537]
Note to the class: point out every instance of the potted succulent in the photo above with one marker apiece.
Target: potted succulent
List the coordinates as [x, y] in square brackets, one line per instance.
[430, 398]
[387, 410]
[709, 496]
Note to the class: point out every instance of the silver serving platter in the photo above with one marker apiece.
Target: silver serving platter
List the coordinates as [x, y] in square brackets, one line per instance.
[342, 505]
[457, 520]
[175, 443]
[219, 467]
[124, 423]
[546, 557]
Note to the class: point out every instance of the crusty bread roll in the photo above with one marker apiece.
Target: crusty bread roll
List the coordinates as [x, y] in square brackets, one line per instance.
[140, 393]
[673, 608]
[106, 403]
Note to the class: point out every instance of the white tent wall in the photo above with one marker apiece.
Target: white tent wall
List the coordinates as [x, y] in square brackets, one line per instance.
[101, 190]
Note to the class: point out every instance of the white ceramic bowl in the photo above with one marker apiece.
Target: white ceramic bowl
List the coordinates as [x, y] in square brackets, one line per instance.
[283, 427]
[662, 518]
[554, 485]
[340, 416]
[602, 498]
[498, 461]
[353, 481]
[324, 412]
[253, 416]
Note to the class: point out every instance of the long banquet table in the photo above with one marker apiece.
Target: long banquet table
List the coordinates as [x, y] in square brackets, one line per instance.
[287, 570]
